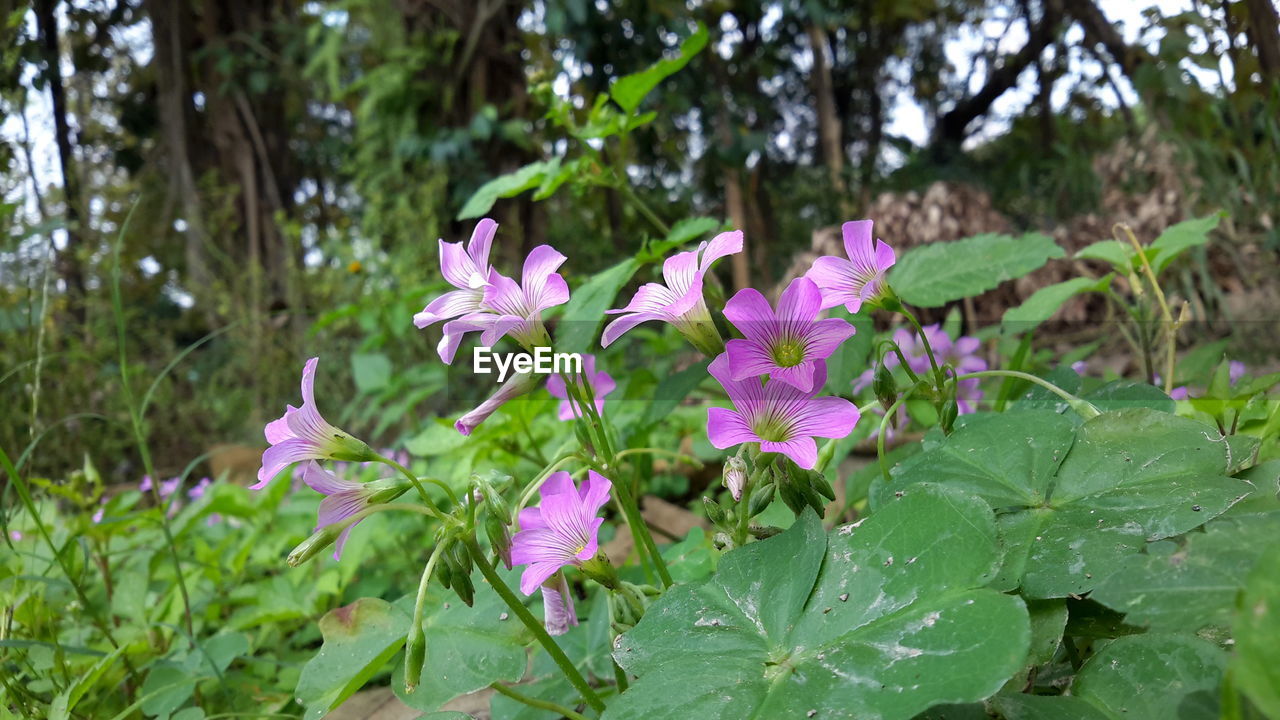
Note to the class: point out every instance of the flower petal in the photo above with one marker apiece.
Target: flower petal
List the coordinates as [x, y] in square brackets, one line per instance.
[449, 305]
[594, 492]
[748, 359]
[836, 281]
[824, 336]
[280, 456]
[534, 575]
[558, 611]
[749, 311]
[323, 481]
[803, 450]
[617, 328]
[726, 243]
[800, 303]
[277, 431]
[457, 266]
[858, 242]
[478, 249]
[537, 279]
[726, 428]
[827, 417]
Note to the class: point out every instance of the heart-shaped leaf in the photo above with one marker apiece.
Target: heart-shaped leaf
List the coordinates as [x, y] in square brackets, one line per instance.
[934, 275]
[1075, 501]
[881, 619]
[358, 641]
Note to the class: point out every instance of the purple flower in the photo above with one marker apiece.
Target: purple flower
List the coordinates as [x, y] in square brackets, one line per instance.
[786, 345]
[15, 535]
[99, 513]
[561, 530]
[200, 488]
[508, 308]
[601, 384]
[680, 301]
[467, 270]
[515, 386]
[1235, 371]
[777, 415]
[860, 278]
[1179, 393]
[961, 354]
[344, 498]
[557, 602]
[1080, 367]
[302, 434]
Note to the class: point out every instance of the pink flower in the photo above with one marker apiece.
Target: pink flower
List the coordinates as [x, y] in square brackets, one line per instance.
[777, 415]
[562, 530]
[508, 308]
[680, 301]
[515, 386]
[15, 535]
[344, 498]
[200, 488]
[467, 270]
[735, 477]
[601, 384]
[786, 345]
[858, 279]
[302, 434]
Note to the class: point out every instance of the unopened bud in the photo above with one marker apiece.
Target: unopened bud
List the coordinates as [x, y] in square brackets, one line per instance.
[735, 477]
[601, 570]
[820, 483]
[463, 587]
[415, 655]
[884, 386]
[499, 538]
[760, 499]
[715, 513]
[947, 417]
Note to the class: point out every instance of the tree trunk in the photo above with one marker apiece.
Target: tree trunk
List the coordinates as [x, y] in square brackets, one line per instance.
[829, 126]
[1264, 32]
[69, 265]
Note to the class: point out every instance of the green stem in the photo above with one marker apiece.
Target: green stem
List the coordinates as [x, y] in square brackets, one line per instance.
[417, 484]
[139, 433]
[644, 208]
[884, 427]
[924, 340]
[1085, 408]
[539, 632]
[537, 703]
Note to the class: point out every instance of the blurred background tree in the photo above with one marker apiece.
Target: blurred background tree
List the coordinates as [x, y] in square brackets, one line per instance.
[277, 172]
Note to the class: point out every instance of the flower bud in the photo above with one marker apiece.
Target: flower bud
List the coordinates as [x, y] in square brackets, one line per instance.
[499, 538]
[459, 560]
[415, 655]
[760, 500]
[884, 386]
[820, 483]
[735, 477]
[947, 416]
[715, 513]
[319, 540]
[463, 587]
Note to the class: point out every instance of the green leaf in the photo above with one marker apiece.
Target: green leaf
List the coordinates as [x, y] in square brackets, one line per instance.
[66, 701]
[437, 438]
[1177, 239]
[1112, 251]
[1192, 586]
[526, 178]
[629, 90]
[850, 359]
[1038, 707]
[372, 372]
[934, 275]
[577, 328]
[1153, 676]
[167, 688]
[358, 640]
[881, 619]
[688, 229]
[1122, 394]
[1256, 666]
[1073, 505]
[1044, 302]
[467, 647]
[672, 391]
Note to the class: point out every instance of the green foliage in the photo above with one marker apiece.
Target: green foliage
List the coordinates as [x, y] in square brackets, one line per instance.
[933, 275]
[897, 599]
